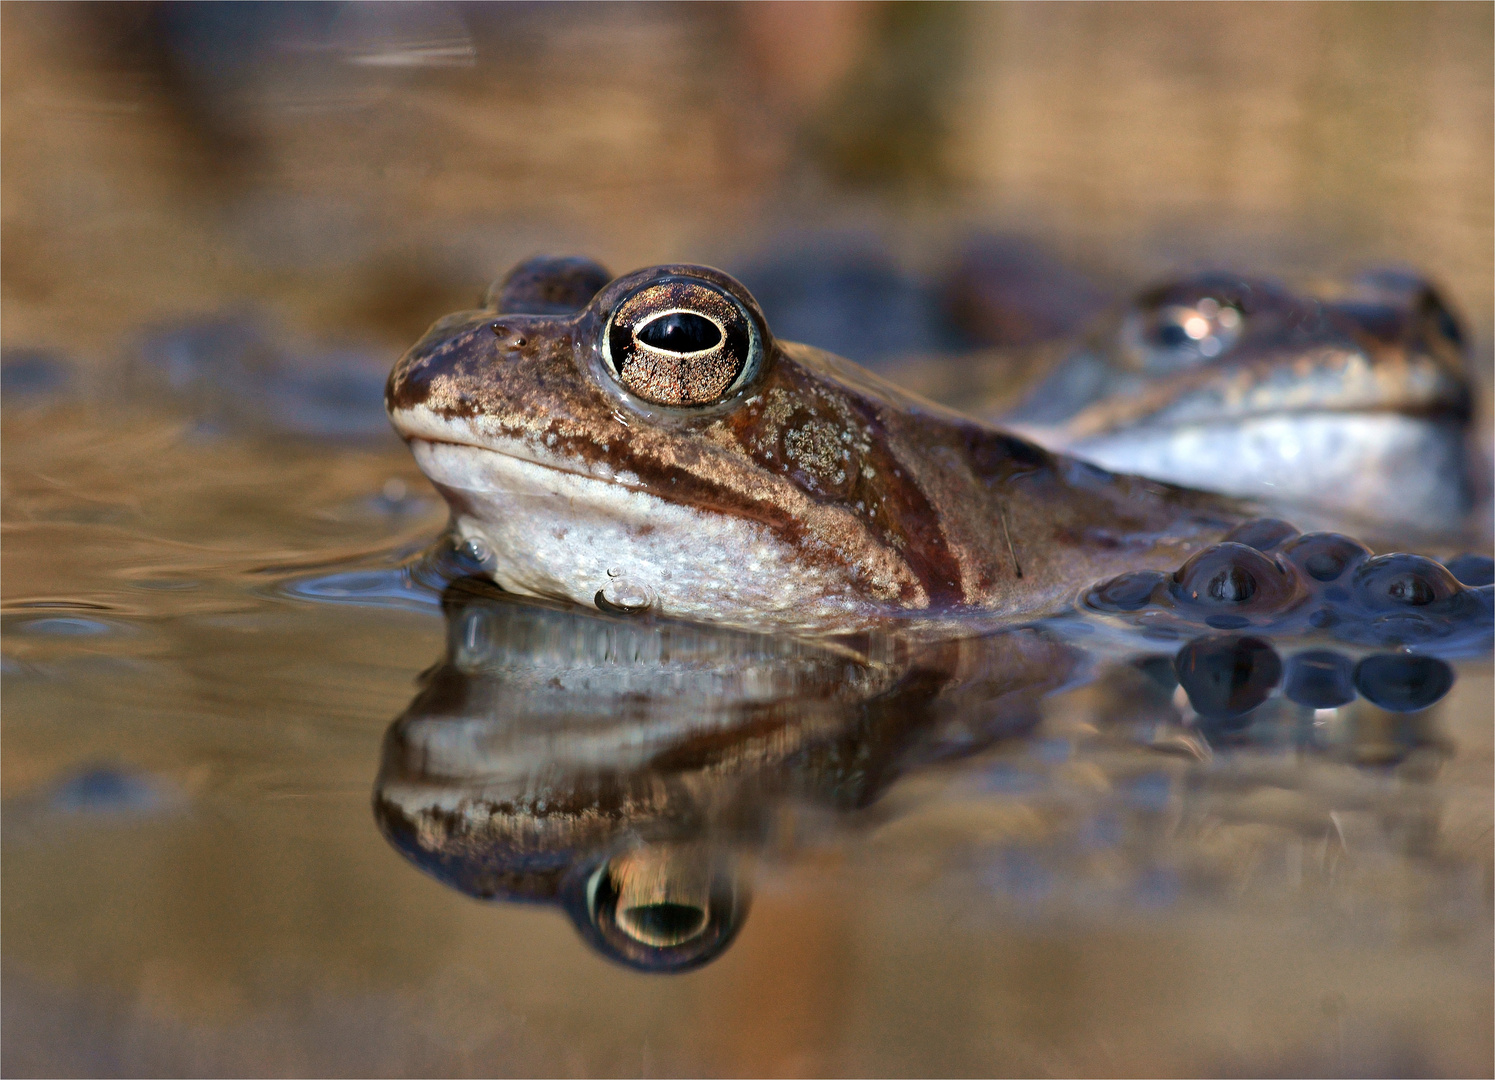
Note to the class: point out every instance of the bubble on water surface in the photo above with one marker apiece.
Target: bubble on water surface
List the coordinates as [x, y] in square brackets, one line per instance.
[475, 550]
[624, 596]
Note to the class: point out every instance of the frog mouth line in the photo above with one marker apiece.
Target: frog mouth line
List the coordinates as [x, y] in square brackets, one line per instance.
[528, 459]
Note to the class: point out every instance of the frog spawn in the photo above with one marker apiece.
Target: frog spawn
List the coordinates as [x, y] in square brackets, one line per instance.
[1265, 579]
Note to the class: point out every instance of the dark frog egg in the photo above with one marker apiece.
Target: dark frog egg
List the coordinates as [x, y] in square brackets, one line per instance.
[1129, 592]
[1263, 534]
[1398, 682]
[1400, 582]
[1227, 676]
[1325, 556]
[1234, 580]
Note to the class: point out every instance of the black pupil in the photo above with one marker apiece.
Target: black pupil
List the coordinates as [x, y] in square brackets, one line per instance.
[668, 921]
[680, 332]
[1172, 335]
[1232, 585]
[1411, 590]
[1324, 565]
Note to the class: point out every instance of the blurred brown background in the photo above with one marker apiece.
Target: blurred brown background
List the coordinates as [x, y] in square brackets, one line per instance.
[362, 169]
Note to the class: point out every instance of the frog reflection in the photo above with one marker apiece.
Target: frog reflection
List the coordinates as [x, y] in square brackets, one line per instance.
[623, 768]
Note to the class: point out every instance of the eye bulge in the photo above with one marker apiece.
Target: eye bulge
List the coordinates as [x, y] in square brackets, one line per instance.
[1178, 335]
[681, 342]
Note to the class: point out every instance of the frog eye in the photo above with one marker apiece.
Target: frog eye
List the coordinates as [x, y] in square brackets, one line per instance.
[681, 342]
[665, 907]
[1179, 335]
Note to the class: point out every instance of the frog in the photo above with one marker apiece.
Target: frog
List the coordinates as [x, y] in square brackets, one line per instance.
[1353, 401]
[644, 443]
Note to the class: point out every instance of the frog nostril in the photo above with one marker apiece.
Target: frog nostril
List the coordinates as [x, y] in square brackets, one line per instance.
[680, 332]
[506, 334]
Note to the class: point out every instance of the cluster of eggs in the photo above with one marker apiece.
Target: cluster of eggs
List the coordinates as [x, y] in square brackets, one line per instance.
[1394, 618]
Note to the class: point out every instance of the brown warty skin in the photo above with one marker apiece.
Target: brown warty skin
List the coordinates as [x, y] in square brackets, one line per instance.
[811, 497]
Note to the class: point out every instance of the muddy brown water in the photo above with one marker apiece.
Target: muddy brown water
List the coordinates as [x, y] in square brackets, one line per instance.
[204, 649]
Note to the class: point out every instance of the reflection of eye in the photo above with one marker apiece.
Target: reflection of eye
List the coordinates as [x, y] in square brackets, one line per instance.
[662, 907]
[681, 342]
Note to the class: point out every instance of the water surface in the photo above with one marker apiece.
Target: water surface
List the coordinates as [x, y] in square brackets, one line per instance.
[214, 643]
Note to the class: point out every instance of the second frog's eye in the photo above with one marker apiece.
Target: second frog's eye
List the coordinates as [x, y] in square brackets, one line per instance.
[1178, 335]
[681, 342]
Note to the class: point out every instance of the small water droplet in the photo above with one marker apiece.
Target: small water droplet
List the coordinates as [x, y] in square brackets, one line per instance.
[621, 596]
[394, 489]
[475, 550]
